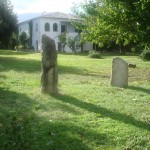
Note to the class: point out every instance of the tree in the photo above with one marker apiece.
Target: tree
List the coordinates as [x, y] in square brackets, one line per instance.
[119, 22]
[24, 39]
[74, 43]
[8, 23]
[71, 43]
[63, 40]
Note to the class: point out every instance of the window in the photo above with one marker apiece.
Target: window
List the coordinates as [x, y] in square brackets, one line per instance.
[47, 27]
[55, 27]
[63, 28]
[36, 27]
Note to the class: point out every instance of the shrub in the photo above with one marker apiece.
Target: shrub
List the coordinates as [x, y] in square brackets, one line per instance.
[31, 48]
[19, 48]
[24, 48]
[94, 54]
[23, 38]
[145, 55]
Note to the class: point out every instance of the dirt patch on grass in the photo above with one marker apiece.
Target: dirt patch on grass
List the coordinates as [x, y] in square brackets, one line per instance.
[139, 74]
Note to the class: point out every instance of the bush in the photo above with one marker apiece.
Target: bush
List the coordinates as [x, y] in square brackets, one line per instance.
[19, 48]
[94, 54]
[23, 38]
[31, 48]
[24, 48]
[145, 55]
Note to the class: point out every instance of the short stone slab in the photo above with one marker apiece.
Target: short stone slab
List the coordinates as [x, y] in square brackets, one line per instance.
[119, 76]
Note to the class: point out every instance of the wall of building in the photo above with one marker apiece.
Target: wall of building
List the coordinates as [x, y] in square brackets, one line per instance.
[36, 34]
[88, 46]
[39, 29]
[52, 34]
[24, 27]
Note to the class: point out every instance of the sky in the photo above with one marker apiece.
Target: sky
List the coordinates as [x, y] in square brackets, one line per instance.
[39, 6]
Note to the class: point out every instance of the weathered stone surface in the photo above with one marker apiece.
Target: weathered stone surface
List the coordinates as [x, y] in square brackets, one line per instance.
[119, 76]
[49, 75]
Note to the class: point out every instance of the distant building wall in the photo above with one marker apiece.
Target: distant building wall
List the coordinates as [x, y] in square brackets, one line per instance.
[24, 27]
[88, 46]
[45, 25]
[36, 34]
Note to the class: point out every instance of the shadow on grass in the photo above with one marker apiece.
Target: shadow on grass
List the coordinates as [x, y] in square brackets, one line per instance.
[3, 76]
[12, 52]
[19, 64]
[135, 88]
[82, 72]
[70, 70]
[31, 66]
[21, 128]
[104, 112]
[28, 65]
[114, 54]
[84, 54]
[102, 53]
[74, 54]
[12, 103]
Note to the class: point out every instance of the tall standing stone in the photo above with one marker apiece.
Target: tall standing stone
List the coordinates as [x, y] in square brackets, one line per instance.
[49, 76]
[119, 76]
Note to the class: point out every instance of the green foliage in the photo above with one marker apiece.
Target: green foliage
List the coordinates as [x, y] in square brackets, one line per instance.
[62, 39]
[8, 24]
[20, 48]
[145, 55]
[24, 48]
[14, 41]
[24, 39]
[74, 43]
[71, 43]
[94, 54]
[107, 21]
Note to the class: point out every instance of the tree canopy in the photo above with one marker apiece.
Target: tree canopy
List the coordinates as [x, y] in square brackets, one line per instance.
[24, 39]
[116, 22]
[8, 23]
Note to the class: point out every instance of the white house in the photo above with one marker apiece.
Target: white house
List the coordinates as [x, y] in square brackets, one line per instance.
[52, 24]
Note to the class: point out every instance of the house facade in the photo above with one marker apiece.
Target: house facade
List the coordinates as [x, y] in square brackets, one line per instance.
[53, 25]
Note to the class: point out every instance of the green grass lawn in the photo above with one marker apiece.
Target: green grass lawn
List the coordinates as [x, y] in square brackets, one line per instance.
[88, 114]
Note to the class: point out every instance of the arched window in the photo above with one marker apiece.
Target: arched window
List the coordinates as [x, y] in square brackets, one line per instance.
[55, 27]
[47, 27]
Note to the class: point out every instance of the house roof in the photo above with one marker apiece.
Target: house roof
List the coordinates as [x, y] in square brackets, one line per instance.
[59, 15]
[55, 15]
